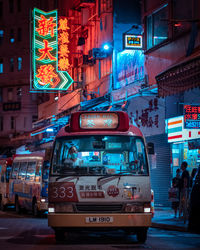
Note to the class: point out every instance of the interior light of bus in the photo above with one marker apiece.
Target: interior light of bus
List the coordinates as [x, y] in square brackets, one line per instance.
[43, 200]
[85, 154]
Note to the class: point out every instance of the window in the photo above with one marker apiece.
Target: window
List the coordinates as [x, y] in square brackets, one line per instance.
[30, 175]
[11, 64]
[19, 63]
[1, 9]
[1, 94]
[1, 36]
[11, 6]
[184, 10]
[19, 34]
[25, 121]
[19, 5]
[12, 39]
[22, 170]
[157, 27]
[1, 123]
[34, 118]
[10, 94]
[19, 93]
[1, 66]
[12, 122]
[100, 155]
[15, 170]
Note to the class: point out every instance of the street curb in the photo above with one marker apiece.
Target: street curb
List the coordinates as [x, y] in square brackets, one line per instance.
[169, 227]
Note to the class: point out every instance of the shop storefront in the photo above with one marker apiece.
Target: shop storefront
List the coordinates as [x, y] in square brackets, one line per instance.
[185, 144]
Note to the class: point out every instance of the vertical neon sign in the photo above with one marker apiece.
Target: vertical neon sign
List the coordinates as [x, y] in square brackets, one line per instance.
[46, 73]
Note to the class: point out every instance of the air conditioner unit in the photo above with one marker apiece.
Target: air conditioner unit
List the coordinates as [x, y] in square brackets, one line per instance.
[83, 60]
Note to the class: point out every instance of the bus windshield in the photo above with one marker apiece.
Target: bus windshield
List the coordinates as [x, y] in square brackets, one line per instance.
[99, 155]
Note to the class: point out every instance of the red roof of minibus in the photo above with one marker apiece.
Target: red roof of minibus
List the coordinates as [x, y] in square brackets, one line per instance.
[133, 130]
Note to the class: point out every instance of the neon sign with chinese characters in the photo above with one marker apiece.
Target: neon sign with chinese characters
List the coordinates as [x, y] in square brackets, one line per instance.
[63, 44]
[47, 72]
[191, 116]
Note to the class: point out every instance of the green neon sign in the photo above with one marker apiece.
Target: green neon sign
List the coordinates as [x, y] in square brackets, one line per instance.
[46, 75]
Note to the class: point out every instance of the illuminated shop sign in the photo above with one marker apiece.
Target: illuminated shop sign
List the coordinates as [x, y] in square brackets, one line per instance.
[132, 41]
[191, 116]
[49, 62]
[99, 121]
[176, 131]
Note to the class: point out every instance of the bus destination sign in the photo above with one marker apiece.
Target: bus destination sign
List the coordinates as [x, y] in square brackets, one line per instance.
[191, 116]
[99, 120]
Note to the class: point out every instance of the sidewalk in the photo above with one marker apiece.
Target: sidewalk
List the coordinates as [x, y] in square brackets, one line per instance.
[164, 218]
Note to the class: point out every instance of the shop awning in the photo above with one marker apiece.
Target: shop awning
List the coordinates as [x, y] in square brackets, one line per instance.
[180, 77]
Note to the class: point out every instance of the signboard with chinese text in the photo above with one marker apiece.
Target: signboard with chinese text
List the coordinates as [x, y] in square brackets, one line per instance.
[99, 121]
[48, 72]
[132, 41]
[191, 116]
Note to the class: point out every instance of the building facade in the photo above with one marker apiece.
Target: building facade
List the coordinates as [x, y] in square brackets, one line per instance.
[18, 107]
[172, 56]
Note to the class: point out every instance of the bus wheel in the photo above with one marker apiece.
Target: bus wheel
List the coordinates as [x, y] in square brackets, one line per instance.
[59, 235]
[17, 206]
[142, 234]
[35, 210]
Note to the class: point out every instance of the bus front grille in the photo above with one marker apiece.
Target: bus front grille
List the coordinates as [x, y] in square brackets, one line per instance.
[94, 208]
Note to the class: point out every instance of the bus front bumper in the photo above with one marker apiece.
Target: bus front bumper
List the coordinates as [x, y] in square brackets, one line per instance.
[99, 220]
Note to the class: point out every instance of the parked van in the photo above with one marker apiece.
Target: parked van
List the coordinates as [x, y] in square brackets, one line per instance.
[29, 182]
[5, 169]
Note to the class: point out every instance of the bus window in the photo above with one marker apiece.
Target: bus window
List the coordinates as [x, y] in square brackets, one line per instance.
[38, 171]
[45, 172]
[22, 170]
[99, 155]
[30, 175]
[15, 170]
[8, 172]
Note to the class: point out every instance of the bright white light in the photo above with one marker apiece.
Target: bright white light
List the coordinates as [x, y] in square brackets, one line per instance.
[43, 200]
[49, 130]
[51, 210]
[147, 209]
[106, 47]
